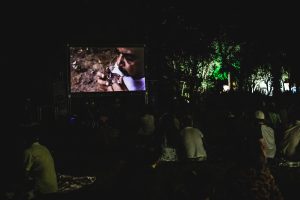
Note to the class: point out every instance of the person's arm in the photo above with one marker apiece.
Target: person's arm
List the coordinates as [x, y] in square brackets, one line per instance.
[263, 145]
[28, 162]
[118, 86]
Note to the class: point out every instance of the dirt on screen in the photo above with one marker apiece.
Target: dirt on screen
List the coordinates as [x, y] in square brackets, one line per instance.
[85, 63]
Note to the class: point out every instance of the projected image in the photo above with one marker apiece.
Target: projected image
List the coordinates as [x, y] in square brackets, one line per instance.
[112, 69]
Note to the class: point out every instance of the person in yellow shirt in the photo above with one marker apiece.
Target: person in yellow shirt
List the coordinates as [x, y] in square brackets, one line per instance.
[39, 166]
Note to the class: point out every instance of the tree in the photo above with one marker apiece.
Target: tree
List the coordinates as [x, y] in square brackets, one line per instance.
[261, 74]
[193, 69]
[226, 59]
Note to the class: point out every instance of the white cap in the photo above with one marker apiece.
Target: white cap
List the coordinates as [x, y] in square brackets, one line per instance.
[259, 114]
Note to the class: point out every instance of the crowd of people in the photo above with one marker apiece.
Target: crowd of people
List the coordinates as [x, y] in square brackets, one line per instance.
[181, 145]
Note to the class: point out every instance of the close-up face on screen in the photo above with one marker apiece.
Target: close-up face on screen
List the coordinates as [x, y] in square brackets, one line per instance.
[106, 69]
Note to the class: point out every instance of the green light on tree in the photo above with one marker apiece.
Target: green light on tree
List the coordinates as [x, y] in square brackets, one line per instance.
[225, 58]
[218, 74]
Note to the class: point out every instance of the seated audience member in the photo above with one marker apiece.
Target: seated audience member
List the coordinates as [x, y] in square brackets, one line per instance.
[168, 138]
[145, 132]
[39, 167]
[268, 138]
[273, 116]
[290, 147]
[250, 177]
[147, 122]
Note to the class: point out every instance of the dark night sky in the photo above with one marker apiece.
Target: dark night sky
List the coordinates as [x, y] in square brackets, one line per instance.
[35, 34]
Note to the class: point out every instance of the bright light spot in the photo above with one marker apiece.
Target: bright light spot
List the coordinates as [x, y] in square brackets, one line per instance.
[226, 88]
[262, 85]
[294, 89]
[286, 86]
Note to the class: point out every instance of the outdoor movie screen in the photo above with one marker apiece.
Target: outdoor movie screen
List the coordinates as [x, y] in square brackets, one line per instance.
[106, 69]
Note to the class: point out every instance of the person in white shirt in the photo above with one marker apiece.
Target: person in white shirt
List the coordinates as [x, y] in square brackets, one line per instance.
[147, 122]
[193, 147]
[290, 147]
[268, 138]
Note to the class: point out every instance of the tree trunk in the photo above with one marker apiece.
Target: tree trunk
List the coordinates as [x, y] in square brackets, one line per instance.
[229, 81]
[276, 72]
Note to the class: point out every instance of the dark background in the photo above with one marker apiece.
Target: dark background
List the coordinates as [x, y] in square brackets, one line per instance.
[34, 52]
[35, 34]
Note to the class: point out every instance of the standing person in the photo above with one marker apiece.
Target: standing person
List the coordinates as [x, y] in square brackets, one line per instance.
[193, 147]
[128, 70]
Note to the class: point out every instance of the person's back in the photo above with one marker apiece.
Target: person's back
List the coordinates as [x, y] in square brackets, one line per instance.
[39, 164]
[147, 125]
[193, 147]
[291, 142]
[267, 134]
[168, 132]
[269, 138]
[193, 144]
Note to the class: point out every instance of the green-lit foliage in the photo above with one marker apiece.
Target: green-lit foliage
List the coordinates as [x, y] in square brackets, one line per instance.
[195, 72]
[200, 73]
[284, 77]
[205, 75]
[225, 58]
[218, 74]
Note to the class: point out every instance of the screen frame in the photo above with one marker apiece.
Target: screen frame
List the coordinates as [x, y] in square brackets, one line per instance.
[104, 94]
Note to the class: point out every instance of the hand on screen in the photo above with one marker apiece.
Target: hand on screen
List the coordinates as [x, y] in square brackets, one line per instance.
[102, 79]
[118, 86]
[112, 83]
